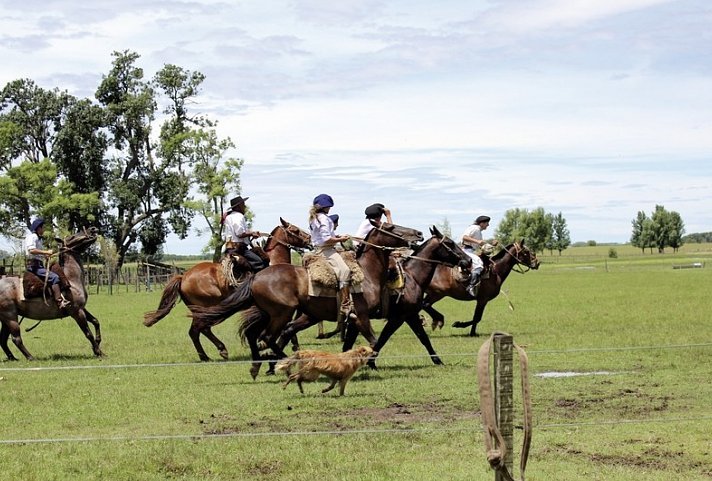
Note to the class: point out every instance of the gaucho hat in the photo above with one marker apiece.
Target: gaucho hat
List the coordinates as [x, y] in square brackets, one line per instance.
[235, 201]
[482, 218]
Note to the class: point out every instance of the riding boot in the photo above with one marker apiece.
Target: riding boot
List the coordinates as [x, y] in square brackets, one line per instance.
[59, 297]
[474, 282]
[346, 304]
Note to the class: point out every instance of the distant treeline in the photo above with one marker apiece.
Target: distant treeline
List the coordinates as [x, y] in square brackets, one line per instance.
[698, 238]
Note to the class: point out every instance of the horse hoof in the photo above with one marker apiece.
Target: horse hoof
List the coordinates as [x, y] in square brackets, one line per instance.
[204, 359]
[223, 354]
[254, 371]
[437, 361]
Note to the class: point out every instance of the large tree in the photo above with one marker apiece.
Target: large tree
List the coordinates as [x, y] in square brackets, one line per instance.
[536, 227]
[662, 229]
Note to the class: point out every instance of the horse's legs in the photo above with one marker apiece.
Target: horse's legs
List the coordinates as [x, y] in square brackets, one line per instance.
[219, 345]
[12, 328]
[416, 326]
[80, 317]
[252, 335]
[294, 326]
[392, 325]
[194, 333]
[97, 327]
[362, 324]
[438, 319]
[4, 336]
[477, 317]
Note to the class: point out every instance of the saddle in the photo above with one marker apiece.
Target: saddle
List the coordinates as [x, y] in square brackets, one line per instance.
[34, 285]
[322, 278]
[235, 268]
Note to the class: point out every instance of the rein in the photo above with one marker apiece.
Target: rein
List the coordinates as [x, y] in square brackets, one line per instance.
[518, 262]
[300, 250]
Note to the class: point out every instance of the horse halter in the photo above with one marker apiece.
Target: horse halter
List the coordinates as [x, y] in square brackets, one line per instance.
[435, 261]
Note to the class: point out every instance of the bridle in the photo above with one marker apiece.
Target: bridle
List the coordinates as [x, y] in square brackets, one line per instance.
[378, 246]
[518, 261]
[288, 234]
[442, 243]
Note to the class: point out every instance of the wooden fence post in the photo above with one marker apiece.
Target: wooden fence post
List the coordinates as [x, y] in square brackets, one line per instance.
[504, 395]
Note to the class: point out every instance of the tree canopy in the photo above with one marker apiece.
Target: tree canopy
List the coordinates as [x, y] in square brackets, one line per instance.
[102, 162]
[662, 229]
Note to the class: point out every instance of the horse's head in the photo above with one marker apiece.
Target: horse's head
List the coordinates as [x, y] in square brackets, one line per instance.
[79, 242]
[402, 236]
[523, 255]
[296, 236]
[448, 251]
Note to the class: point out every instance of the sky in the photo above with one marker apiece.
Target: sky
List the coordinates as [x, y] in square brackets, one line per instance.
[442, 110]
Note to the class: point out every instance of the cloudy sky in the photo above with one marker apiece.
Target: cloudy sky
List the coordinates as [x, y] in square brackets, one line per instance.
[441, 109]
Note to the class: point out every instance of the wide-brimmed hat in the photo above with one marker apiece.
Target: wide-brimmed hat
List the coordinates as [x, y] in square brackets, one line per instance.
[482, 218]
[374, 210]
[235, 201]
[36, 224]
[323, 200]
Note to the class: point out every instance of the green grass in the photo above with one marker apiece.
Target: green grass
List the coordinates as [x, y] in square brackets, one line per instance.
[647, 324]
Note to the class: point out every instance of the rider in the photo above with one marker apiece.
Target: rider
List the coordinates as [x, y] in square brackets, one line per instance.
[375, 213]
[325, 239]
[237, 236]
[36, 253]
[472, 241]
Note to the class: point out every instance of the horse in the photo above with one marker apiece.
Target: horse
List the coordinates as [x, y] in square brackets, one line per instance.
[418, 269]
[445, 283]
[14, 304]
[204, 284]
[272, 296]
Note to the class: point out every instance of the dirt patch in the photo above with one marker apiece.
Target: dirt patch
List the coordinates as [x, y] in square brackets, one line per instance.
[398, 414]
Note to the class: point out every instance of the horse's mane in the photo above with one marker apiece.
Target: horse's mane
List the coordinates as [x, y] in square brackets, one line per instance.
[362, 245]
[502, 252]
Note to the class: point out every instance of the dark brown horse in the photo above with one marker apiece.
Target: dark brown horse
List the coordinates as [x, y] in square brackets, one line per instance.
[497, 269]
[205, 285]
[14, 304]
[438, 252]
[274, 294]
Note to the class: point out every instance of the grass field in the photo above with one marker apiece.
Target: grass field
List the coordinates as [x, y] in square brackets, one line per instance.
[149, 411]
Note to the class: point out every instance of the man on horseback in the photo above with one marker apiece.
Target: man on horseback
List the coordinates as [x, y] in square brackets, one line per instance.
[375, 213]
[36, 253]
[472, 242]
[237, 236]
[324, 240]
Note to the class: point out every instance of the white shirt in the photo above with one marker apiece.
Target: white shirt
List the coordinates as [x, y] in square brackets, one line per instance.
[235, 225]
[363, 229]
[473, 231]
[33, 241]
[321, 229]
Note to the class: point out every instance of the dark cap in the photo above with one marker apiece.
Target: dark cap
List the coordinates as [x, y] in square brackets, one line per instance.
[323, 200]
[36, 224]
[334, 218]
[374, 211]
[482, 218]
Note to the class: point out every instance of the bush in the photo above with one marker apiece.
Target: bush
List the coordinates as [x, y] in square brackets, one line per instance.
[612, 253]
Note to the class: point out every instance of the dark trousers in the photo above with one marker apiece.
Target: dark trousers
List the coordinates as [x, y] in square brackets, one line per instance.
[38, 269]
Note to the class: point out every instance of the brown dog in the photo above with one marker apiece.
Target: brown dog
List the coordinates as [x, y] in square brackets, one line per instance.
[311, 364]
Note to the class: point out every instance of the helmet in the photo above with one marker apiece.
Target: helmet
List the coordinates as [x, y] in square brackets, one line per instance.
[323, 200]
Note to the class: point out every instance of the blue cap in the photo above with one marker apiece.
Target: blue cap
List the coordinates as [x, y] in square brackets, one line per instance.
[36, 224]
[323, 200]
[334, 218]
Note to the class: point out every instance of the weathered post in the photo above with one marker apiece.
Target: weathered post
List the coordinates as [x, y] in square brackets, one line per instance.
[504, 395]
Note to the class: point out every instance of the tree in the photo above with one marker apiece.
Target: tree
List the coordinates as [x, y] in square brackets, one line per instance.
[676, 232]
[561, 238]
[536, 227]
[513, 226]
[445, 227]
[636, 238]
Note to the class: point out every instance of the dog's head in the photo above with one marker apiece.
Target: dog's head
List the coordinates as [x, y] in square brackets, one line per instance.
[363, 352]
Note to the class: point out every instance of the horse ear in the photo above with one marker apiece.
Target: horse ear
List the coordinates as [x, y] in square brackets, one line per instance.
[521, 242]
[284, 222]
[435, 232]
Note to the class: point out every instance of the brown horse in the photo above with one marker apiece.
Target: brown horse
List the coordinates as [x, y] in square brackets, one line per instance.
[497, 269]
[274, 294]
[14, 304]
[205, 285]
[438, 252]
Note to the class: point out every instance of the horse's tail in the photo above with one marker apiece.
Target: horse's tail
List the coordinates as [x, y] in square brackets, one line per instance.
[239, 299]
[254, 321]
[169, 298]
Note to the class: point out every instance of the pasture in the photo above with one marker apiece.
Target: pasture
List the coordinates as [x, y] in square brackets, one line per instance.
[639, 330]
